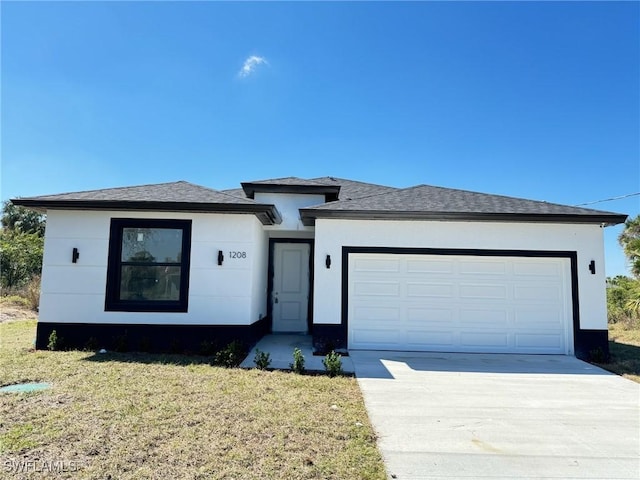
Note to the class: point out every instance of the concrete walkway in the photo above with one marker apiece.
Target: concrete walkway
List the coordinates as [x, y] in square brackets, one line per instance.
[280, 348]
[463, 416]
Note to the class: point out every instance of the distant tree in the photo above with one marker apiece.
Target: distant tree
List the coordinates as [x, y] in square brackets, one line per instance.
[630, 241]
[21, 245]
[21, 219]
[20, 257]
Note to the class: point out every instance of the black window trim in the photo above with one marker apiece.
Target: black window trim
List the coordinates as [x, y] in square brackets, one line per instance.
[112, 301]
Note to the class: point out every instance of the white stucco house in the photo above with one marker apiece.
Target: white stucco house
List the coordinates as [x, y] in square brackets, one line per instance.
[356, 265]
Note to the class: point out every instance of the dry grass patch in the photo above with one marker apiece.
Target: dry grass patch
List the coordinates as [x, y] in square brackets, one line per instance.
[169, 416]
[624, 346]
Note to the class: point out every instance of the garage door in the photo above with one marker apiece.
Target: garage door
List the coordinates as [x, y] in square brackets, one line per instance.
[456, 303]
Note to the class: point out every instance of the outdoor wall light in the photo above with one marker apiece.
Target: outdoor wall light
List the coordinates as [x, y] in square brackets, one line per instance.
[327, 261]
[592, 267]
[220, 257]
[75, 255]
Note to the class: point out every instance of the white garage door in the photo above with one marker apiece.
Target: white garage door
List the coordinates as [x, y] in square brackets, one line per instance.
[454, 303]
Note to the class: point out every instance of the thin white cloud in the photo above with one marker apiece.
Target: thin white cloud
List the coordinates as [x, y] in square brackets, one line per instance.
[250, 65]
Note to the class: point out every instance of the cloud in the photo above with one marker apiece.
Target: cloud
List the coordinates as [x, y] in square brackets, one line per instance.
[250, 65]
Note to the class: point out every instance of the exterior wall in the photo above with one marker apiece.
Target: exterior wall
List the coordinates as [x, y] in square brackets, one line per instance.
[260, 263]
[332, 235]
[288, 204]
[231, 294]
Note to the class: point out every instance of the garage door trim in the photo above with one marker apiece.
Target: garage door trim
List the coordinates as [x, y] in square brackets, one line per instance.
[571, 255]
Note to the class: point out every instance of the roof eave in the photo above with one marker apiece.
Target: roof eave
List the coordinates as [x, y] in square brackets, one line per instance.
[308, 216]
[267, 214]
[329, 191]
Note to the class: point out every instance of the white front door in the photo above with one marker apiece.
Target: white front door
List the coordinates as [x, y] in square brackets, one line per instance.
[290, 295]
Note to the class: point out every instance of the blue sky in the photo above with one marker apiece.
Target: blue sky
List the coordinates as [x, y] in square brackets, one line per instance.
[537, 100]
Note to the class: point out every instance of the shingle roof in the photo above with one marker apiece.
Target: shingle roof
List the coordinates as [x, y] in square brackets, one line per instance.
[425, 201]
[351, 189]
[344, 199]
[292, 185]
[180, 191]
[174, 196]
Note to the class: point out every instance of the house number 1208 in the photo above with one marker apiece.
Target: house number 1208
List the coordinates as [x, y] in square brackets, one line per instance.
[237, 254]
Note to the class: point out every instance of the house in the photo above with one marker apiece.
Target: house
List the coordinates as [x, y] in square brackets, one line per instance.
[356, 265]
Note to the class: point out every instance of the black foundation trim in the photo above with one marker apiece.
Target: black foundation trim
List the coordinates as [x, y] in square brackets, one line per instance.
[150, 337]
[272, 242]
[584, 341]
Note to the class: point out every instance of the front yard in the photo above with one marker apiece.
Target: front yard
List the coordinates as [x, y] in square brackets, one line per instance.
[170, 416]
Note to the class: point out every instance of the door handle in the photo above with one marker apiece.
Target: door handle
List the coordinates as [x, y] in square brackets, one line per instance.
[276, 300]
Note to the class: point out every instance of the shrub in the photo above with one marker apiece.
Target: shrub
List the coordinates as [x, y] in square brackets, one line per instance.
[55, 342]
[262, 360]
[333, 363]
[298, 361]
[231, 356]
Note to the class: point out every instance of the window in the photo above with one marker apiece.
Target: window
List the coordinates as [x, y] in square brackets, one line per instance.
[148, 266]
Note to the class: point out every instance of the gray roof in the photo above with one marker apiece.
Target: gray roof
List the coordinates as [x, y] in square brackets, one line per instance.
[343, 199]
[429, 202]
[292, 185]
[351, 189]
[174, 196]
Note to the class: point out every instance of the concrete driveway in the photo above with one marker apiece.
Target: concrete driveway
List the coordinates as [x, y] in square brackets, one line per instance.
[441, 415]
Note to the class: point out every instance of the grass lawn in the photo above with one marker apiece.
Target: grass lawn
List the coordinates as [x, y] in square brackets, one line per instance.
[624, 346]
[169, 416]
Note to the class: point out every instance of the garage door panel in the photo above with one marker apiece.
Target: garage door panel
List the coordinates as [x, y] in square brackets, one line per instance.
[538, 342]
[483, 291]
[538, 319]
[538, 292]
[375, 288]
[370, 338]
[415, 289]
[485, 318]
[433, 340]
[376, 265]
[429, 316]
[497, 267]
[481, 341]
[370, 314]
[535, 268]
[430, 266]
[459, 303]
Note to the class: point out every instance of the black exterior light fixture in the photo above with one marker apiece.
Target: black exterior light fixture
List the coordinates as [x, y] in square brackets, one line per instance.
[327, 261]
[592, 267]
[75, 255]
[220, 257]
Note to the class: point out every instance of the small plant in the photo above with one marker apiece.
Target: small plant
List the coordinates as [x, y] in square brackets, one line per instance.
[145, 344]
[91, 344]
[32, 292]
[597, 355]
[262, 360]
[298, 361]
[207, 348]
[231, 356]
[121, 342]
[333, 363]
[175, 346]
[55, 342]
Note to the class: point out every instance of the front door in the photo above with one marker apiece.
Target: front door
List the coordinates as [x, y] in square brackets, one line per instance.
[290, 294]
